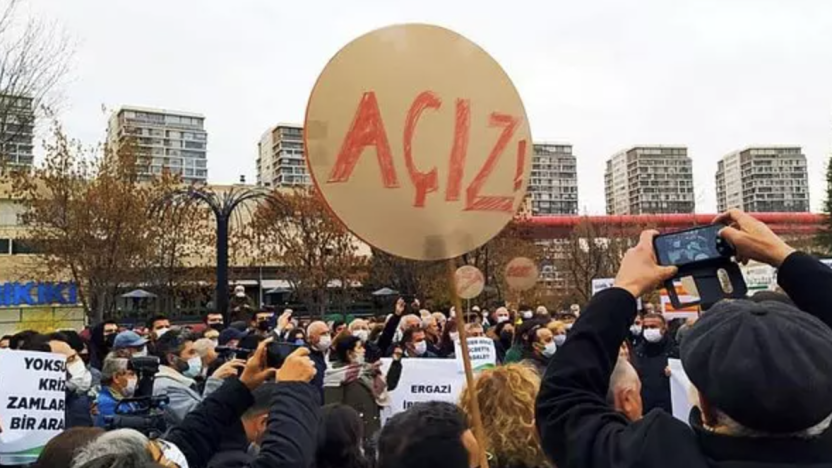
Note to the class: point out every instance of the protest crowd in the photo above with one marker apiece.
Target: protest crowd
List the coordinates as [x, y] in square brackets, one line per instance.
[585, 387]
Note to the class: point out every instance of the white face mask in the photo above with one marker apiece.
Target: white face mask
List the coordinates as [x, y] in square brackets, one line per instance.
[560, 340]
[635, 330]
[568, 326]
[653, 335]
[359, 359]
[194, 367]
[421, 348]
[362, 335]
[323, 343]
[502, 318]
[161, 332]
[527, 314]
[173, 454]
[80, 378]
[454, 336]
[142, 353]
[550, 349]
[130, 389]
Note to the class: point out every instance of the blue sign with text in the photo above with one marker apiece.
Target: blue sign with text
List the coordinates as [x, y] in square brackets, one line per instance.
[37, 293]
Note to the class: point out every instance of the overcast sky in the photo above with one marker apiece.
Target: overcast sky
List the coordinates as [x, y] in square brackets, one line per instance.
[715, 75]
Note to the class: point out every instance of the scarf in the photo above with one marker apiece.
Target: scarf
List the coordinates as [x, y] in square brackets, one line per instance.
[368, 375]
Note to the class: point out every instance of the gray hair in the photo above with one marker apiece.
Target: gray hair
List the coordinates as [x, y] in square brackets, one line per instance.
[203, 346]
[113, 364]
[126, 443]
[730, 427]
[624, 376]
[727, 425]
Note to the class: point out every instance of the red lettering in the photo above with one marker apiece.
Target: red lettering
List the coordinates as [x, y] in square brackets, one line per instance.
[425, 182]
[462, 126]
[475, 201]
[367, 129]
[519, 271]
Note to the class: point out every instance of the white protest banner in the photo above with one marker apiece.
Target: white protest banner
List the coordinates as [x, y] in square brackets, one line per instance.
[600, 284]
[424, 380]
[32, 403]
[482, 352]
[759, 277]
[679, 391]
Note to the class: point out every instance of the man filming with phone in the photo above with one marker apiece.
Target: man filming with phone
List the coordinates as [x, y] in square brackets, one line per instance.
[762, 370]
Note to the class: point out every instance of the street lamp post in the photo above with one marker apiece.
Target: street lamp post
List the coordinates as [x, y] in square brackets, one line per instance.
[223, 205]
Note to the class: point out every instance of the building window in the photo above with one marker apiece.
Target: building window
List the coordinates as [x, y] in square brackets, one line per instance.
[5, 246]
[21, 247]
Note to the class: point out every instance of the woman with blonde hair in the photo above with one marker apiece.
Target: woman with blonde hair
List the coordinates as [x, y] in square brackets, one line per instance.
[506, 396]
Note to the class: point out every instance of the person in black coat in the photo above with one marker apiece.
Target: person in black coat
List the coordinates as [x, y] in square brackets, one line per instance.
[102, 338]
[240, 444]
[650, 360]
[762, 371]
[319, 340]
[287, 441]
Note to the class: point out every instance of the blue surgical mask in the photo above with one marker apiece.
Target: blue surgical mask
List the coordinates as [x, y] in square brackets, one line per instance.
[194, 367]
[299, 342]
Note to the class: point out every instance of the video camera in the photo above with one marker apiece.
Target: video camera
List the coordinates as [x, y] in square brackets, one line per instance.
[143, 412]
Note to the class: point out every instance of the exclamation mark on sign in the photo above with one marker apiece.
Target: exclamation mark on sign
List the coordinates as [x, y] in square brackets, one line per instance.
[521, 164]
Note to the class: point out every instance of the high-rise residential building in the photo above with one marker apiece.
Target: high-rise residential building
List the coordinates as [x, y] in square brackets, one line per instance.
[17, 127]
[280, 160]
[553, 187]
[170, 140]
[649, 179]
[763, 179]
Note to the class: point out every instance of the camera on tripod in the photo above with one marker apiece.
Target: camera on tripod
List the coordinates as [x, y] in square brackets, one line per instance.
[143, 412]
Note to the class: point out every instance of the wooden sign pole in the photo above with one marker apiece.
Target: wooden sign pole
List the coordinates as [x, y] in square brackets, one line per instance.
[479, 430]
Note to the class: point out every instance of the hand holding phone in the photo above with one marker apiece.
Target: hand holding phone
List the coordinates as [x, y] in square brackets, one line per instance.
[752, 239]
[639, 272]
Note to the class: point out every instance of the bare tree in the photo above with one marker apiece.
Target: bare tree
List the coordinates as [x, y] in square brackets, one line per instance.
[34, 56]
[316, 253]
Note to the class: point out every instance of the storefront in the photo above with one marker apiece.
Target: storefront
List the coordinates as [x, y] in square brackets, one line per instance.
[39, 306]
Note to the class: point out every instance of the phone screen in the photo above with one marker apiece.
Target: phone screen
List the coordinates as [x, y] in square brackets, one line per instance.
[690, 246]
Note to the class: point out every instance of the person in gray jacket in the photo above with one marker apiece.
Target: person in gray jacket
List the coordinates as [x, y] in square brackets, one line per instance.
[179, 365]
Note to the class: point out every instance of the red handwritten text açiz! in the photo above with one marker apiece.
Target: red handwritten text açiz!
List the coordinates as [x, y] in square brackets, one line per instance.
[367, 129]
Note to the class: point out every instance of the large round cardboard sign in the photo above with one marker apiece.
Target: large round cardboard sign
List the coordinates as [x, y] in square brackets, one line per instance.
[521, 274]
[469, 282]
[418, 141]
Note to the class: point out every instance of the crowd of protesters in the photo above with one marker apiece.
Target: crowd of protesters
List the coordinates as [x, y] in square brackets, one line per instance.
[579, 388]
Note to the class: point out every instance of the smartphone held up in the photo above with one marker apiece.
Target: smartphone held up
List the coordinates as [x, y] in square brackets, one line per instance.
[705, 262]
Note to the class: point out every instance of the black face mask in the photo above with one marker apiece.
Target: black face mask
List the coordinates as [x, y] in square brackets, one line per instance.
[506, 338]
[263, 325]
[217, 326]
[110, 340]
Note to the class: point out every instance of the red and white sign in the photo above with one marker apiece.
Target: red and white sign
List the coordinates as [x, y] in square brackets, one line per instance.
[469, 282]
[522, 274]
[671, 312]
[418, 141]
